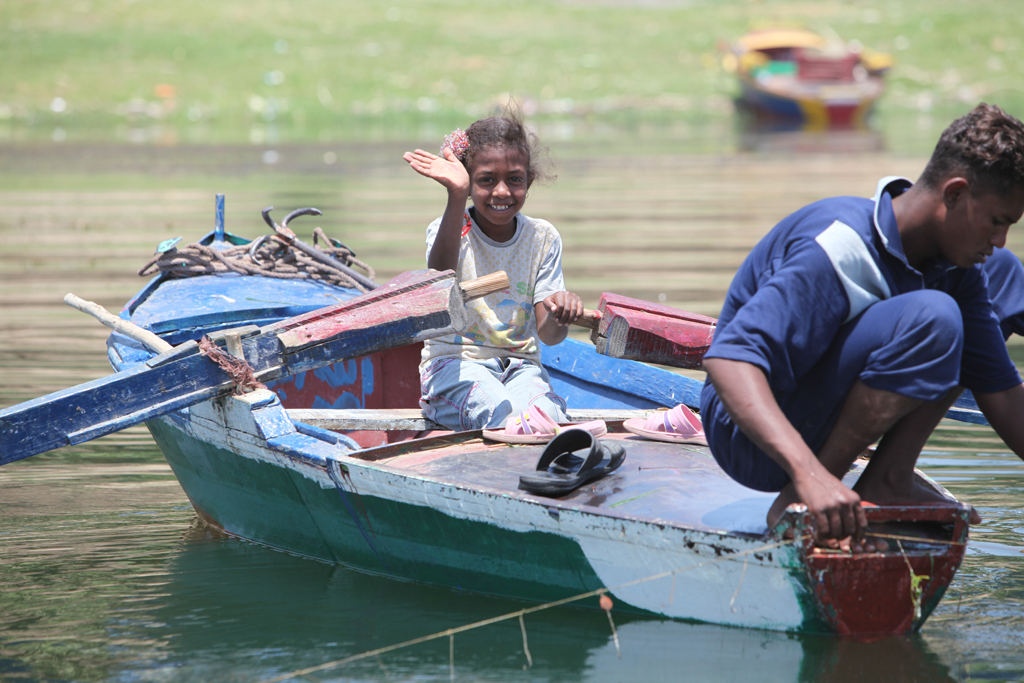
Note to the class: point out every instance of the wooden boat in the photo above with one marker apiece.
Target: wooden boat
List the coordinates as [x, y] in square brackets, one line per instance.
[333, 461]
[798, 77]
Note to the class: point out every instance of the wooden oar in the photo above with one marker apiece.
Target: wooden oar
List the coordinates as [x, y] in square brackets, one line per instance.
[129, 329]
[412, 307]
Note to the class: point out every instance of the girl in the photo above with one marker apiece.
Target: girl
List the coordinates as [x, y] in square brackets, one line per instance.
[491, 370]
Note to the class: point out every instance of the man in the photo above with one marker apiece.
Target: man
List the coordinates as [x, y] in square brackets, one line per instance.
[855, 320]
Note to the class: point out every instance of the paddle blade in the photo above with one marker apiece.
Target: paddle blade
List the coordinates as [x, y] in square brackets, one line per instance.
[107, 405]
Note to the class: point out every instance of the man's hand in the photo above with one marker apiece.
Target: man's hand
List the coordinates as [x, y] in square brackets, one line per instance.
[744, 391]
[835, 509]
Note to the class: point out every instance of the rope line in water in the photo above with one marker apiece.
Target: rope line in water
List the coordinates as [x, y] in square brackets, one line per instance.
[519, 614]
[575, 598]
[526, 647]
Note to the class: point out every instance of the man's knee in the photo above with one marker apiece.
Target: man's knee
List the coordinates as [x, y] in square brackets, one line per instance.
[921, 335]
[931, 318]
[1006, 290]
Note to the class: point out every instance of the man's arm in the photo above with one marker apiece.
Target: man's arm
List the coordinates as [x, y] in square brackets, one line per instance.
[1004, 410]
[747, 397]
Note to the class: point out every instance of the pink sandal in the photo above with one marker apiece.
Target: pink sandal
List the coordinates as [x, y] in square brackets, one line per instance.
[534, 426]
[677, 425]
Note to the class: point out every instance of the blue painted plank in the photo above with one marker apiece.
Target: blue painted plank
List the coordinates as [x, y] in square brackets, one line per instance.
[587, 379]
[182, 377]
[106, 405]
[965, 409]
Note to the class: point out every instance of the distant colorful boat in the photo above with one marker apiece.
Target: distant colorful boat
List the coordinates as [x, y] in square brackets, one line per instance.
[799, 77]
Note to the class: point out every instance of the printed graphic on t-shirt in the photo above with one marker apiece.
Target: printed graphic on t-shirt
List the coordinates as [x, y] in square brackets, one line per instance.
[489, 330]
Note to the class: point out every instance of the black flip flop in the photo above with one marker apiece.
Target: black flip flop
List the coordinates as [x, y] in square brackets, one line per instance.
[559, 471]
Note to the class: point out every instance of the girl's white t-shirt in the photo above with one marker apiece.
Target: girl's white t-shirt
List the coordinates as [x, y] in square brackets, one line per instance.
[503, 324]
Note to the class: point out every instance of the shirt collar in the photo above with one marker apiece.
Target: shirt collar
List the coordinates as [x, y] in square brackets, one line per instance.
[520, 221]
[888, 232]
[885, 220]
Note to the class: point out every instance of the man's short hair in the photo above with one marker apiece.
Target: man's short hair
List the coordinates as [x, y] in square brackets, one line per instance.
[984, 146]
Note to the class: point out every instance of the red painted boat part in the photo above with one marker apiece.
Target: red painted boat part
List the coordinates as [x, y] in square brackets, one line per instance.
[874, 595]
[652, 333]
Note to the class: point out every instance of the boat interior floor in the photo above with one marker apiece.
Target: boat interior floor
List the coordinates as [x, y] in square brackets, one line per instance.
[671, 483]
[674, 483]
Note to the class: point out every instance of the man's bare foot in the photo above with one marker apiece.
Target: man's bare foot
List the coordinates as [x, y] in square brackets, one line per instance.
[920, 493]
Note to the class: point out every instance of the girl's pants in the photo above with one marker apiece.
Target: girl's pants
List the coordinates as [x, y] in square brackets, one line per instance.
[483, 394]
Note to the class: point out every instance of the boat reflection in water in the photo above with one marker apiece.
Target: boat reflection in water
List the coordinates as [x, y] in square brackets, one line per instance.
[796, 139]
[231, 609]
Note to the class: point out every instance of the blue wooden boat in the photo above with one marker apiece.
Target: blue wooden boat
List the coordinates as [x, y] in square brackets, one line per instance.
[335, 462]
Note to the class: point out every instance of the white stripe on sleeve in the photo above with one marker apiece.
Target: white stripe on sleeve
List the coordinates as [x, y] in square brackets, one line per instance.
[853, 263]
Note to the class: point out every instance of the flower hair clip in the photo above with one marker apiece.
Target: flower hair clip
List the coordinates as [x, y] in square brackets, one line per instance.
[458, 142]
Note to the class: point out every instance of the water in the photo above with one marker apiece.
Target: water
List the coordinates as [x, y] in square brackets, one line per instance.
[105, 575]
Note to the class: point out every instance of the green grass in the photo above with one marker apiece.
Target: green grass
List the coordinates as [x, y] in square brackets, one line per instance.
[262, 70]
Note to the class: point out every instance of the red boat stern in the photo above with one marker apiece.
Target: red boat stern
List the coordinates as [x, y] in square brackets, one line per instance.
[874, 595]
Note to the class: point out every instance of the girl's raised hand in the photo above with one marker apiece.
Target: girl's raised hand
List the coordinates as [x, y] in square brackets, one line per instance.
[447, 170]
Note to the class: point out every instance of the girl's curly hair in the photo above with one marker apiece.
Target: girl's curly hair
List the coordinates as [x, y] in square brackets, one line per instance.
[985, 146]
[510, 133]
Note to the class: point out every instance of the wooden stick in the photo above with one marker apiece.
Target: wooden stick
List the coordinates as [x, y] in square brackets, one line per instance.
[471, 289]
[590, 319]
[145, 337]
[484, 285]
[498, 280]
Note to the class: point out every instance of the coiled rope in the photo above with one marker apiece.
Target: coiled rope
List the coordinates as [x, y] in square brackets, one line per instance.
[273, 258]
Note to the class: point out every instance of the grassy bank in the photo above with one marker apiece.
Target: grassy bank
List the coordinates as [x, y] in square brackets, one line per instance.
[269, 71]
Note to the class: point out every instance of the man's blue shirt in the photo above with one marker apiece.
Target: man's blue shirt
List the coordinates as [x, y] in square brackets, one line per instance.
[824, 265]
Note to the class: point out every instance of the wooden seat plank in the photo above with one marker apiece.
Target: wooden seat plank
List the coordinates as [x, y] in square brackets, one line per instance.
[412, 419]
